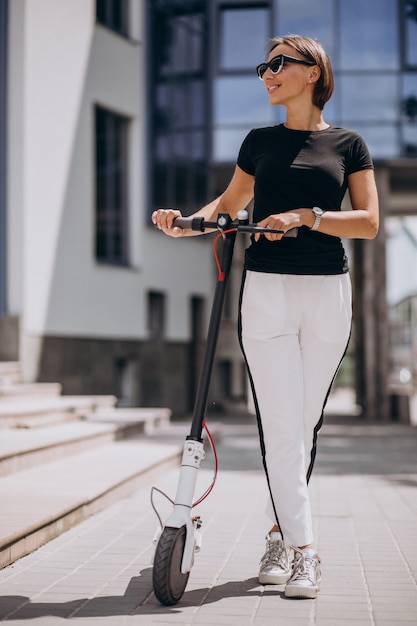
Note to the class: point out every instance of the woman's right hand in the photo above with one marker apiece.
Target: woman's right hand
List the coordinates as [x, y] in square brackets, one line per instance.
[163, 219]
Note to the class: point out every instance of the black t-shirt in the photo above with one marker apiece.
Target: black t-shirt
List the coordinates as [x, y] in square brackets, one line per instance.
[295, 169]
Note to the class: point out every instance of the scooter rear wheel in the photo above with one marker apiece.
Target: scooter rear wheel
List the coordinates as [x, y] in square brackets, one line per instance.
[168, 581]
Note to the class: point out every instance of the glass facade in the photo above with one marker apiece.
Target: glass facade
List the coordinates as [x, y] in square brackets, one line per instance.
[373, 49]
[206, 97]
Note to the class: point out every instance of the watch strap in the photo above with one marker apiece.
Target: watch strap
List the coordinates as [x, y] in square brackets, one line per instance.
[318, 215]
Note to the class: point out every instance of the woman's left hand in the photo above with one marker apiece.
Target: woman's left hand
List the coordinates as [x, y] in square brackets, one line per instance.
[280, 221]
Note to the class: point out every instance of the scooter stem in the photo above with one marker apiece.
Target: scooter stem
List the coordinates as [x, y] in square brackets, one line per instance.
[200, 405]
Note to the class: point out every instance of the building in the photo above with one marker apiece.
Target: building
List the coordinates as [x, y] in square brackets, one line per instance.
[86, 296]
[111, 108]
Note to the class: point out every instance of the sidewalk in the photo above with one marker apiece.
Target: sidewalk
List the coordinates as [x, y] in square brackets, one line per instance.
[364, 497]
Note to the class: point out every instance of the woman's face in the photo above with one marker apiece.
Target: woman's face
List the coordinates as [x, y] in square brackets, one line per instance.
[292, 83]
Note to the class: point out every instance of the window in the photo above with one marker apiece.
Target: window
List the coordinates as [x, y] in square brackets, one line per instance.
[113, 14]
[382, 138]
[180, 111]
[126, 370]
[243, 35]
[234, 116]
[243, 31]
[410, 32]
[369, 97]
[111, 187]
[224, 378]
[369, 35]
[182, 40]
[234, 110]
[312, 19]
[409, 115]
[156, 315]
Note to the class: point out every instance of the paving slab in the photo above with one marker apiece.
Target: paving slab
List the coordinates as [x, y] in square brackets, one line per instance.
[364, 498]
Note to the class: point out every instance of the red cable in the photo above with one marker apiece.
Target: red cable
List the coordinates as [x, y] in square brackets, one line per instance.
[221, 275]
[216, 465]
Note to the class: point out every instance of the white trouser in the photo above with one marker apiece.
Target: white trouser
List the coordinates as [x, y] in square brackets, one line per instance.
[294, 331]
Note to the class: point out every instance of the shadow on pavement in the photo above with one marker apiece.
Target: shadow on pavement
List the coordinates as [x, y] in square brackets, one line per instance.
[138, 599]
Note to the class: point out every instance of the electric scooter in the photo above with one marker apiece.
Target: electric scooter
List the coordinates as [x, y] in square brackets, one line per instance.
[179, 538]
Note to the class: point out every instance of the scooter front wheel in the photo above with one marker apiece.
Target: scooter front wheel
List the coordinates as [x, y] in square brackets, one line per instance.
[168, 581]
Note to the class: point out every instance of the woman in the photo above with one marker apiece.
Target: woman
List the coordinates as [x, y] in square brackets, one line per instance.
[295, 313]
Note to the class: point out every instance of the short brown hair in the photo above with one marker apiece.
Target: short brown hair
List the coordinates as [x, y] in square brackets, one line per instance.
[312, 51]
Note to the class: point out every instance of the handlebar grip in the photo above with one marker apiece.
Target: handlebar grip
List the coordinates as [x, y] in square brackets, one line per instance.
[190, 223]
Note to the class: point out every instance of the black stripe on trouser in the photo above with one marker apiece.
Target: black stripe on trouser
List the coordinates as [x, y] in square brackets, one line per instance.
[258, 414]
[320, 422]
[257, 410]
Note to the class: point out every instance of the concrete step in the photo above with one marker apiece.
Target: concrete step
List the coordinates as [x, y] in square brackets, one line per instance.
[62, 458]
[17, 390]
[152, 418]
[40, 503]
[21, 449]
[38, 410]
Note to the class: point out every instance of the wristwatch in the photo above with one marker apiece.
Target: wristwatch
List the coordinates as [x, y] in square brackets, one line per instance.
[318, 212]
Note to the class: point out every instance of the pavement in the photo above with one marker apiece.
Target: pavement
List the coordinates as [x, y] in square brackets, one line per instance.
[364, 500]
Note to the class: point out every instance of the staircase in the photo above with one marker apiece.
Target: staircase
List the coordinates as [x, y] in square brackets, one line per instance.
[63, 458]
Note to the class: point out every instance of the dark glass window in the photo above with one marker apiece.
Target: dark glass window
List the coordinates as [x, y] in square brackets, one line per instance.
[312, 19]
[243, 32]
[183, 43]
[234, 116]
[410, 19]
[369, 97]
[230, 108]
[179, 104]
[369, 35]
[113, 14]
[382, 138]
[225, 378]
[111, 187]
[126, 374]
[409, 100]
[240, 101]
[409, 115]
[156, 315]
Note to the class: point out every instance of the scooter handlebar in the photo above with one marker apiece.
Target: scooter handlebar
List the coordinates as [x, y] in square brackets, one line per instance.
[200, 224]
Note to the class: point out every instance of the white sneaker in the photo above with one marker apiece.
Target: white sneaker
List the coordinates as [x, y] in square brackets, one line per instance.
[305, 576]
[275, 566]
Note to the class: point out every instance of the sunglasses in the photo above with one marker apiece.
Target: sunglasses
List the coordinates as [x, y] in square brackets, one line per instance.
[277, 63]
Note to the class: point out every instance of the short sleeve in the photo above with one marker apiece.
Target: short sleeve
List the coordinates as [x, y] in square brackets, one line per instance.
[360, 158]
[244, 159]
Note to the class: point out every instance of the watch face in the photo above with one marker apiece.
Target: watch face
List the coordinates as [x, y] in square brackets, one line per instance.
[318, 211]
